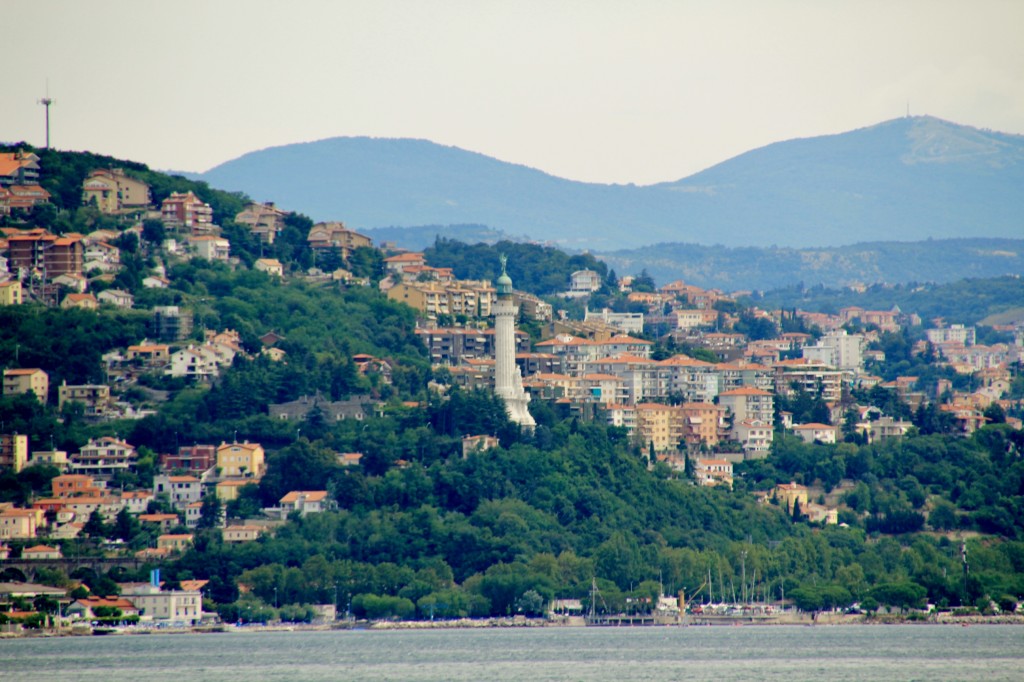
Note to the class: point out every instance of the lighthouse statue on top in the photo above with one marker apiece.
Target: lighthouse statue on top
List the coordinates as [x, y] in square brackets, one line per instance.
[508, 381]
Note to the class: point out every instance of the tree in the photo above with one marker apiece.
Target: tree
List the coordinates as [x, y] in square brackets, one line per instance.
[126, 526]
[210, 513]
[95, 527]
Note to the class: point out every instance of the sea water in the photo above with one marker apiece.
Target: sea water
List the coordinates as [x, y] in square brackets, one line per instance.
[790, 653]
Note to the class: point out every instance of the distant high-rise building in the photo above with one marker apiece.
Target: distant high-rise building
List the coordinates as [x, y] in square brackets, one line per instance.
[508, 381]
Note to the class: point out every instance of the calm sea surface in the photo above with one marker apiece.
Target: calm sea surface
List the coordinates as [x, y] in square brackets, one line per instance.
[899, 652]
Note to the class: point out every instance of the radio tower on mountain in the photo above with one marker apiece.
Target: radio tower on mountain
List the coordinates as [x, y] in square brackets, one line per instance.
[508, 381]
[46, 102]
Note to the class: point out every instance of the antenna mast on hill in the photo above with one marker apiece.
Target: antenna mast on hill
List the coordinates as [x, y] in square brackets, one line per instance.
[46, 102]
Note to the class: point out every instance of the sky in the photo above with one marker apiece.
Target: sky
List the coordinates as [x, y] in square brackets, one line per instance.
[624, 91]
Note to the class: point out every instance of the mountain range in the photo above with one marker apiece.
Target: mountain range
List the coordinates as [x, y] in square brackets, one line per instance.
[907, 179]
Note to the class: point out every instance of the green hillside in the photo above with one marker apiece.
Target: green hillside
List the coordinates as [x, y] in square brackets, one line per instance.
[421, 529]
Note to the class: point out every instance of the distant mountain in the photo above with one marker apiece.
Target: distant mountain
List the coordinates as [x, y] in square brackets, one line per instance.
[731, 269]
[908, 179]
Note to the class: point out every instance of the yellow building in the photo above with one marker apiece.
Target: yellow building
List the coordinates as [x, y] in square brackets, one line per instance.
[660, 425]
[227, 491]
[19, 381]
[10, 293]
[788, 493]
[20, 524]
[13, 451]
[240, 459]
[112, 191]
[174, 542]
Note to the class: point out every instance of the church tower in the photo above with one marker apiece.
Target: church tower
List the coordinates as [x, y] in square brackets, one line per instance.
[508, 381]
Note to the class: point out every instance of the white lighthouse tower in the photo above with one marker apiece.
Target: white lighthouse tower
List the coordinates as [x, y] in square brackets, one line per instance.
[508, 382]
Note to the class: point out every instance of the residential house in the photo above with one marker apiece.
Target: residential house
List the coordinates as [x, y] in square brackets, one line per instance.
[175, 542]
[755, 436]
[689, 379]
[306, 502]
[631, 323]
[94, 398]
[75, 485]
[228, 490]
[885, 320]
[13, 451]
[358, 408]
[168, 606]
[265, 221]
[350, 459]
[703, 423]
[72, 281]
[810, 376]
[149, 355]
[27, 380]
[164, 522]
[117, 298]
[55, 458]
[19, 168]
[193, 514]
[790, 494]
[103, 457]
[10, 293]
[192, 363]
[334, 235]
[642, 379]
[583, 283]
[41, 552]
[660, 426]
[180, 491]
[816, 433]
[87, 608]
[455, 345]
[112, 191]
[838, 350]
[101, 253]
[711, 472]
[40, 251]
[210, 247]
[83, 301]
[19, 524]
[479, 443]
[398, 264]
[184, 209]
[243, 533]
[243, 460]
[191, 458]
[741, 373]
[749, 403]
[155, 282]
[271, 266]
[136, 501]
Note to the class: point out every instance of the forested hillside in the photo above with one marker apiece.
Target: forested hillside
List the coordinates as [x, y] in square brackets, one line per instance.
[966, 302]
[423, 528]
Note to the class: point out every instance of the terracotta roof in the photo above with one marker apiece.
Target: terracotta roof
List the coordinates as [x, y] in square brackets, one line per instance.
[309, 495]
[746, 390]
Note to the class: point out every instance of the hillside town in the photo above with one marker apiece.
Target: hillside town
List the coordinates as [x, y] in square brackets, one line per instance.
[699, 381]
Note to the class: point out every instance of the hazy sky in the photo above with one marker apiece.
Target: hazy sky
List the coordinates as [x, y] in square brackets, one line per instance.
[606, 91]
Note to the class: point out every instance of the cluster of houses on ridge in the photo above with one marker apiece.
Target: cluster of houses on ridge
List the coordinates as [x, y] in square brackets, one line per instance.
[722, 411]
[721, 407]
[186, 478]
[77, 270]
